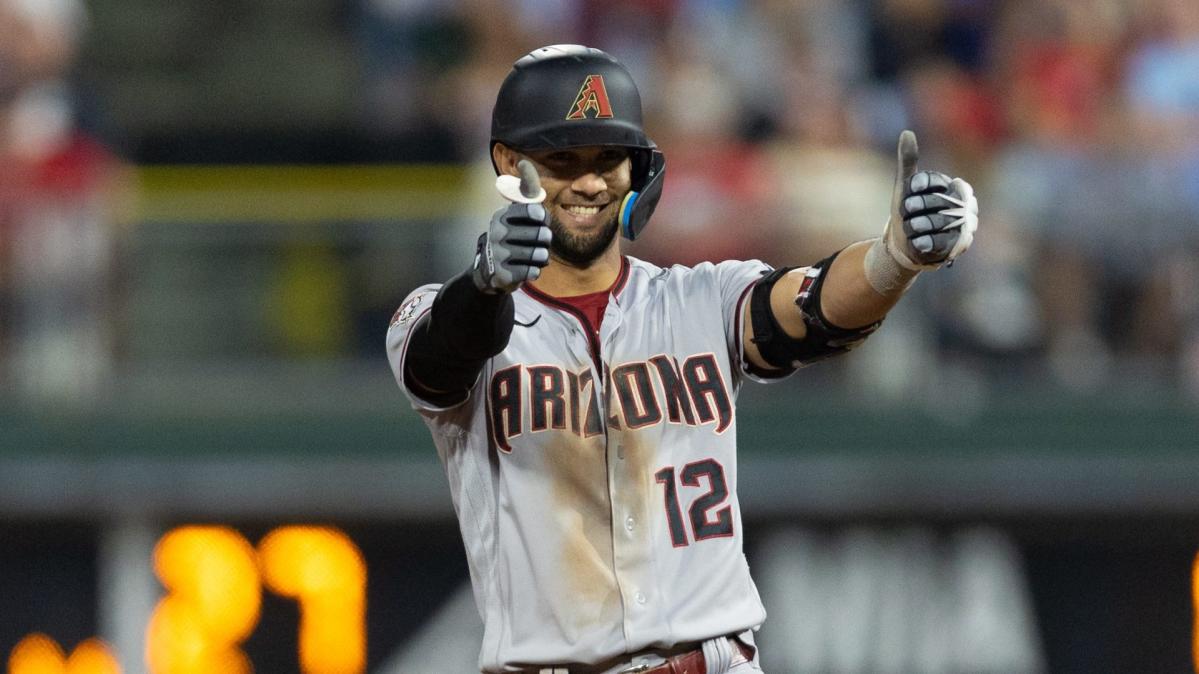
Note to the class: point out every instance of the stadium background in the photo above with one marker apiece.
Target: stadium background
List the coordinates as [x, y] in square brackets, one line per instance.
[209, 210]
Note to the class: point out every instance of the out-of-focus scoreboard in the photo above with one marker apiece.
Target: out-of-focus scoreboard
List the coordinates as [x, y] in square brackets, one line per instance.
[318, 599]
[321, 599]
[323, 541]
[213, 581]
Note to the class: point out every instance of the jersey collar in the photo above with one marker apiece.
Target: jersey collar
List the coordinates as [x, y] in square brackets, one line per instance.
[622, 279]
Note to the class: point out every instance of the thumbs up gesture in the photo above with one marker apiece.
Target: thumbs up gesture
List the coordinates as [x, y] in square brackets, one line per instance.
[516, 245]
[933, 216]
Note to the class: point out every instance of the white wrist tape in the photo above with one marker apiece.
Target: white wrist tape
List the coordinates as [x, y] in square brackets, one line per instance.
[884, 273]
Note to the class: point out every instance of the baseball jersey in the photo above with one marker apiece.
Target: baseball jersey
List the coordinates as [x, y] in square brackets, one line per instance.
[594, 476]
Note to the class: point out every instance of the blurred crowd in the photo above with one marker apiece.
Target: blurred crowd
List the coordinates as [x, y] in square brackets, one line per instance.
[57, 186]
[1077, 121]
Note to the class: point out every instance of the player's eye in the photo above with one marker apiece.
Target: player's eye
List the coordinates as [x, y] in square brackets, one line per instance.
[613, 156]
[610, 160]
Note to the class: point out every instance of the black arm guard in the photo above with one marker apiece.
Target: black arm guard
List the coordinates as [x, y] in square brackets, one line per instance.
[448, 346]
[823, 339]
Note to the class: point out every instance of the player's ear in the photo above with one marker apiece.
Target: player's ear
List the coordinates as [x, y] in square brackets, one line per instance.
[505, 159]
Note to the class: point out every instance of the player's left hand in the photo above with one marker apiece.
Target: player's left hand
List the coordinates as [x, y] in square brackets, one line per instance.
[933, 216]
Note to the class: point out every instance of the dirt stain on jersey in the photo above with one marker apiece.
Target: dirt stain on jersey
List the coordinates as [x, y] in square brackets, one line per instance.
[580, 494]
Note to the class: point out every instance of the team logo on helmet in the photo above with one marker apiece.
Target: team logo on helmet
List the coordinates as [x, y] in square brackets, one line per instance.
[592, 96]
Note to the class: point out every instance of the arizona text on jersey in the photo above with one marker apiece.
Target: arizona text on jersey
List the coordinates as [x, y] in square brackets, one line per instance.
[595, 475]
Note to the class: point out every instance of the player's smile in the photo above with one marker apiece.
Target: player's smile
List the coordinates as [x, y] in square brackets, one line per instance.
[584, 216]
[582, 211]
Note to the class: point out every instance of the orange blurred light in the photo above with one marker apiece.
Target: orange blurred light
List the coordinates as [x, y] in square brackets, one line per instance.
[1195, 605]
[212, 603]
[93, 657]
[323, 569]
[39, 654]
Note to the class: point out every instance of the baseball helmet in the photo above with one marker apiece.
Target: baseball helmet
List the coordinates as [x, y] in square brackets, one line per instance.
[568, 95]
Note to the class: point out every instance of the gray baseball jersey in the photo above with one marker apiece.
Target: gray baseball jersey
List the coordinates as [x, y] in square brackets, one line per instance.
[595, 476]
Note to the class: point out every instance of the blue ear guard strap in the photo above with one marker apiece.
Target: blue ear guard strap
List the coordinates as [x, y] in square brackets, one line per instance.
[639, 204]
[626, 215]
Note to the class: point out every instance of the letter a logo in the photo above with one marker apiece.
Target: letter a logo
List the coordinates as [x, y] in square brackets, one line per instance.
[592, 96]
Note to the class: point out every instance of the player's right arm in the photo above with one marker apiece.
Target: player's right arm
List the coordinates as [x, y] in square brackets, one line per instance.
[471, 318]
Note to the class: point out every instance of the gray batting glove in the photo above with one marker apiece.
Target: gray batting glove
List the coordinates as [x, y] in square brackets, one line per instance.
[933, 216]
[517, 243]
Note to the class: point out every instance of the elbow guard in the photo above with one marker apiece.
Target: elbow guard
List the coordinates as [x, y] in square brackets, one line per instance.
[822, 339]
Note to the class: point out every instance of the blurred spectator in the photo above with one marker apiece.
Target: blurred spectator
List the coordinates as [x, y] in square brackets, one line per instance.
[717, 186]
[960, 114]
[824, 158]
[1161, 79]
[1058, 62]
[426, 64]
[55, 236]
[1161, 82]
[405, 47]
[1091, 197]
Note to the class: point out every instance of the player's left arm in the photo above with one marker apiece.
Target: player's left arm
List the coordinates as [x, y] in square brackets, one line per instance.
[798, 316]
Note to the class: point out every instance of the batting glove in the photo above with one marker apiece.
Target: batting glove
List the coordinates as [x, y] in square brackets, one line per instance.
[933, 216]
[517, 243]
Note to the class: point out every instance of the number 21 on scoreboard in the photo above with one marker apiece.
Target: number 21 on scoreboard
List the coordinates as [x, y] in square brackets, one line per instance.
[214, 579]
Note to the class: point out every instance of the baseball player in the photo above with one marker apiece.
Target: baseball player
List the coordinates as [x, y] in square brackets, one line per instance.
[582, 401]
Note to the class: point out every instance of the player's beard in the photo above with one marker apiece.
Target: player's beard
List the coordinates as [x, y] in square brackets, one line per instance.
[580, 250]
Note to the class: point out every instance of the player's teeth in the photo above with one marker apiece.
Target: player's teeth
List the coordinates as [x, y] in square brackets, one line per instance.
[583, 210]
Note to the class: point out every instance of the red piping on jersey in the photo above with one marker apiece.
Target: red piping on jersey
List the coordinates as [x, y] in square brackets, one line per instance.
[622, 278]
[593, 344]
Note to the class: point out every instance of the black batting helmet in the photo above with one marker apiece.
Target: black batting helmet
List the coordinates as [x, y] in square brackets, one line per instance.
[568, 95]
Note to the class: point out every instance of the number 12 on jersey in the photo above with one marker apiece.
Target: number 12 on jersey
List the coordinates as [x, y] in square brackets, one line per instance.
[704, 523]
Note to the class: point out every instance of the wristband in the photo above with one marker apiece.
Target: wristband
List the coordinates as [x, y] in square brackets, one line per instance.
[884, 273]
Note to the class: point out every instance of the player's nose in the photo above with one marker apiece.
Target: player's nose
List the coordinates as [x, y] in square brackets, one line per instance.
[590, 183]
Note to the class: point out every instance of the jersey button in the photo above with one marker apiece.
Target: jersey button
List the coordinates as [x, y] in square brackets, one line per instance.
[640, 597]
[629, 523]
